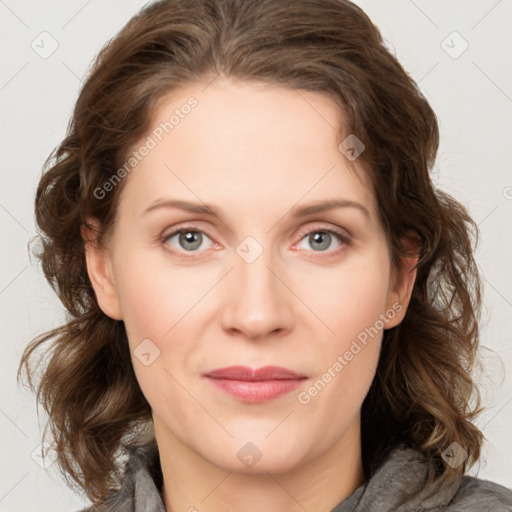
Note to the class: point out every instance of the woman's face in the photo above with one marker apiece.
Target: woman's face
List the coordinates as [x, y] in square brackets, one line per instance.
[258, 283]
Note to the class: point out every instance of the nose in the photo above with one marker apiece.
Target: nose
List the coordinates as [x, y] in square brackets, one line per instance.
[259, 303]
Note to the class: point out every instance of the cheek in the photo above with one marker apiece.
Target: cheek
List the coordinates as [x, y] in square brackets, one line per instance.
[154, 302]
[346, 359]
[351, 305]
[163, 308]
[348, 299]
[142, 304]
[154, 295]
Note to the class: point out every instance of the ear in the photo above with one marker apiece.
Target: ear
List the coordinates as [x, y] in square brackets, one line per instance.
[402, 282]
[99, 269]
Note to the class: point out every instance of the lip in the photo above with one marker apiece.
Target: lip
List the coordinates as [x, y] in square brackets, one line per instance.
[248, 374]
[260, 385]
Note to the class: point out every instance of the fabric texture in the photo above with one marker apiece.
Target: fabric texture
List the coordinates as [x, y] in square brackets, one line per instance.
[394, 487]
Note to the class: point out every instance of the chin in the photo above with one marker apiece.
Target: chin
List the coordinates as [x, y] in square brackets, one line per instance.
[253, 457]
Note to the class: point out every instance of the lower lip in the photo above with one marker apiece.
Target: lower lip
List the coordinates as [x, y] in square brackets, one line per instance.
[262, 391]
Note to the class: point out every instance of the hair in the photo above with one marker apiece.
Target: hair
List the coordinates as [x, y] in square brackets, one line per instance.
[423, 392]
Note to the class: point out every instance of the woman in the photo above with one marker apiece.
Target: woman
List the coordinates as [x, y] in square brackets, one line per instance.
[252, 370]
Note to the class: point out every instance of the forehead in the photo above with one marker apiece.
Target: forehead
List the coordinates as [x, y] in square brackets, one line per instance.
[250, 113]
[246, 143]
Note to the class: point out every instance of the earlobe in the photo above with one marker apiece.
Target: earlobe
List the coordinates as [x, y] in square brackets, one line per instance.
[400, 292]
[99, 269]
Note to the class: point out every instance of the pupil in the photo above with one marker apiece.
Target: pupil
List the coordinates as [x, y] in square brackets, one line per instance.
[191, 237]
[317, 237]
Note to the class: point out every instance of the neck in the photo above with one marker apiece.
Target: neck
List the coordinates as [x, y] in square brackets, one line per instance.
[192, 483]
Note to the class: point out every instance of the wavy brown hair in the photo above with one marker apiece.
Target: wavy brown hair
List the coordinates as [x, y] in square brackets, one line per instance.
[423, 393]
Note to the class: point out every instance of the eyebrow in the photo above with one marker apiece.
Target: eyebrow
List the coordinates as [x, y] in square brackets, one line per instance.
[303, 211]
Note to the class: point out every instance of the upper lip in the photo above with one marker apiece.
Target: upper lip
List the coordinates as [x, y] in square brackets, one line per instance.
[248, 374]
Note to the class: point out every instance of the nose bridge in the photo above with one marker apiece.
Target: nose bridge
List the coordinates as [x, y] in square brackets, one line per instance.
[254, 266]
[259, 304]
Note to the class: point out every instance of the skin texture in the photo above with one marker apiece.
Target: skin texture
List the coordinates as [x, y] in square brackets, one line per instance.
[257, 152]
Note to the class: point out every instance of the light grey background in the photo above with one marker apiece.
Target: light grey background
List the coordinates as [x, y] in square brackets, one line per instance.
[471, 94]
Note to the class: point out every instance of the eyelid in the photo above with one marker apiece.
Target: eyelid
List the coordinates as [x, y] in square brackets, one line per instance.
[341, 232]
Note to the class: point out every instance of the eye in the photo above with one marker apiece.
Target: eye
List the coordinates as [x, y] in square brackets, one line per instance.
[320, 239]
[188, 239]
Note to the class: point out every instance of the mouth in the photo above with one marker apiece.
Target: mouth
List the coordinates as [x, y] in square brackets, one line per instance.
[260, 385]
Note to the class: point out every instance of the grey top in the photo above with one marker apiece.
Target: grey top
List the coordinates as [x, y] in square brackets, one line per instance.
[394, 487]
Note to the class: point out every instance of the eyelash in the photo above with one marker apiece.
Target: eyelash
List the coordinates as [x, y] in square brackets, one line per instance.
[344, 239]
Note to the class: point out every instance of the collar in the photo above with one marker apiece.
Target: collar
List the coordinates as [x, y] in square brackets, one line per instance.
[396, 486]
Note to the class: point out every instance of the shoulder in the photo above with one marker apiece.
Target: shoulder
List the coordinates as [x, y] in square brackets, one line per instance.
[140, 484]
[403, 473]
[478, 495]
